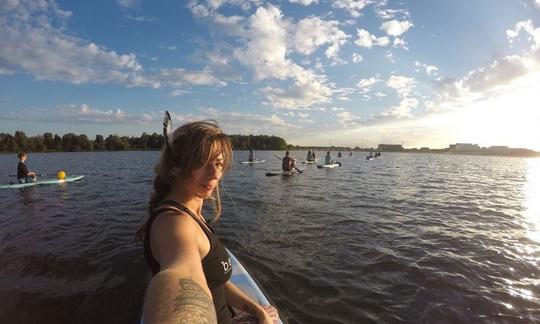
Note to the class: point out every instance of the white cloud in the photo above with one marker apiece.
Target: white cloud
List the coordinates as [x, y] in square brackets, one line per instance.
[311, 33]
[179, 92]
[180, 77]
[357, 58]
[402, 84]
[390, 57]
[402, 110]
[398, 42]
[366, 84]
[304, 2]
[229, 24]
[209, 7]
[354, 7]
[527, 27]
[265, 53]
[387, 14]
[430, 69]
[31, 42]
[247, 123]
[266, 48]
[300, 95]
[141, 18]
[128, 4]
[365, 39]
[396, 27]
[348, 120]
[498, 73]
[84, 114]
[4, 71]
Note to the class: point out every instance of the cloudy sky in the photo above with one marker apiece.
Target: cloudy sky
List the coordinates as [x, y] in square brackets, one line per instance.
[316, 72]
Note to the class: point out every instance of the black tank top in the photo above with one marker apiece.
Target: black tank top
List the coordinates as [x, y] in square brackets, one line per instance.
[217, 266]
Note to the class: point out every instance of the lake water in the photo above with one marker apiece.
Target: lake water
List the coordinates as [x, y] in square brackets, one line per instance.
[404, 238]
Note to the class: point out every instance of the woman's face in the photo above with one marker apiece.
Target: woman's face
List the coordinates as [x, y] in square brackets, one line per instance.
[205, 179]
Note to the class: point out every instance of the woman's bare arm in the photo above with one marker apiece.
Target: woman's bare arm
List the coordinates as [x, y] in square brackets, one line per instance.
[178, 293]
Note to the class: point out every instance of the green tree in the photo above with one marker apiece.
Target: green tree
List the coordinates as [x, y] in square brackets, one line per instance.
[99, 143]
[48, 141]
[21, 140]
[84, 143]
[57, 142]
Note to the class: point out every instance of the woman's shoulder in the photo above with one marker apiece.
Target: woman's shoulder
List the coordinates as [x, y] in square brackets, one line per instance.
[171, 218]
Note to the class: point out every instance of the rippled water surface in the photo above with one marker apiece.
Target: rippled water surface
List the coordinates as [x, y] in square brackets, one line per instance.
[404, 238]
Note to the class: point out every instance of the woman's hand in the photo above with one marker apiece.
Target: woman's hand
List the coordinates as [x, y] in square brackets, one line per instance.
[263, 317]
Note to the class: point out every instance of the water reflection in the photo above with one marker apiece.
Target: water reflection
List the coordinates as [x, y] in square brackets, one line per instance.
[532, 200]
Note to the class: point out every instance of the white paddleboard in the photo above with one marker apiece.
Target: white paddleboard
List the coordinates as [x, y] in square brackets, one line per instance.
[252, 162]
[42, 182]
[328, 166]
[282, 173]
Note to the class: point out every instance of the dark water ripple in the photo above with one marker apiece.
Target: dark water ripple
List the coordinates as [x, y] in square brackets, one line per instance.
[402, 239]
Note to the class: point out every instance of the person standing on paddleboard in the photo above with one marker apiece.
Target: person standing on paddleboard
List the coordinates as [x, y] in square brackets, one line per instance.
[251, 157]
[288, 163]
[191, 268]
[23, 175]
[328, 158]
[308, 158]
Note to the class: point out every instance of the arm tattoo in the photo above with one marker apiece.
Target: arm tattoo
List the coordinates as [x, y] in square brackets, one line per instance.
[193, 305]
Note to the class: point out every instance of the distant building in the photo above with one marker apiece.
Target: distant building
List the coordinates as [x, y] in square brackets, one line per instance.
[452, 147]
[499, 149]
[390, 147]
[467, 147]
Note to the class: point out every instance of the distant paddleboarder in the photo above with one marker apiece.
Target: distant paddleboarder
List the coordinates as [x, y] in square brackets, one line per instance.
[251, 157]
[328, 158]
[23, 175]
[288, 163]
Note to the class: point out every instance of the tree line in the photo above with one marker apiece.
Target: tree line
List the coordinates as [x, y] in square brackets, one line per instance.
[49, 142]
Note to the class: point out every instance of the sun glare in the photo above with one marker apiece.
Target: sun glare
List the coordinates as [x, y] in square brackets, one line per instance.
[532, 199]
[508, 118]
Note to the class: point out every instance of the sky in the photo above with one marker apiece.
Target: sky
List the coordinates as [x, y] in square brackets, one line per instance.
[315, 72]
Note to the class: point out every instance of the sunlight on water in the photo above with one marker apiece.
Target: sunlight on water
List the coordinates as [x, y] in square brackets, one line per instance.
[532, 199]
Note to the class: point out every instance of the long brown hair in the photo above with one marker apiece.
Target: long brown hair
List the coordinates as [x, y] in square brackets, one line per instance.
[192, 146]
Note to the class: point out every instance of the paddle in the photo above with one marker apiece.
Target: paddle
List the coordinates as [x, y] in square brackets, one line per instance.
[298, 170]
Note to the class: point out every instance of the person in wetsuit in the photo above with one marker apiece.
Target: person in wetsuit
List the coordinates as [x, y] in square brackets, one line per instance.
[288, 163]
[191, 268]
[23, 175]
